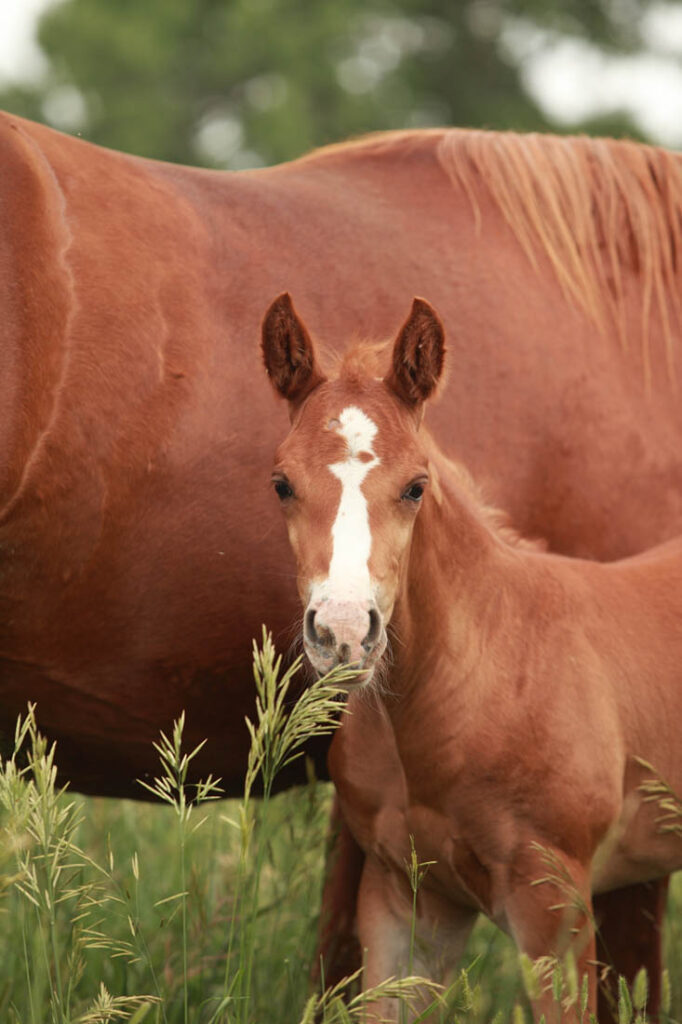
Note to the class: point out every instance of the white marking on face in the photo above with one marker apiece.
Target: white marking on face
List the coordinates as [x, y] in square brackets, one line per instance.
[351, 536]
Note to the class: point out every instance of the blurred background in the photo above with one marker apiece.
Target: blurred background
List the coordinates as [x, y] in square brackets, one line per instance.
[243, 83]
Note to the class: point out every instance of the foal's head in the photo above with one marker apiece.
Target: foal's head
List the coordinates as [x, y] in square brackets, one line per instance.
[350, 478]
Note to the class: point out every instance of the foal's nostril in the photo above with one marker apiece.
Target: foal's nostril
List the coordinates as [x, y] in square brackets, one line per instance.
[374, 629]
[317, 633]
[309, 630]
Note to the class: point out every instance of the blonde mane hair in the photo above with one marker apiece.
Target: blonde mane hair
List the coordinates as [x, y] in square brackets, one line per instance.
[597, 209]
[363, 359]
[495, 519]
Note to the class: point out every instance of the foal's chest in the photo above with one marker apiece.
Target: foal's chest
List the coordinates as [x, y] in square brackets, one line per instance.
[462, 840]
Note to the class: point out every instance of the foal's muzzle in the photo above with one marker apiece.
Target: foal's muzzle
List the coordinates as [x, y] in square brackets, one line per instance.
[344, 633]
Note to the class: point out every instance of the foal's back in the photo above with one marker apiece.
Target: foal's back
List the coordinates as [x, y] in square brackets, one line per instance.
[630, 614]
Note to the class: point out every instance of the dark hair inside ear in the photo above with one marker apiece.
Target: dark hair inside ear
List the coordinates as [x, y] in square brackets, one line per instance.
[288, 352]
[418, 355]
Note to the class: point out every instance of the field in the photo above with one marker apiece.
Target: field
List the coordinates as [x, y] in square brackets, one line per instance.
[115, 910]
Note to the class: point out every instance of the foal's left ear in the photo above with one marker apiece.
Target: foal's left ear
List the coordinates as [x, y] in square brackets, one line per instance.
[418, 355]
[288, 352]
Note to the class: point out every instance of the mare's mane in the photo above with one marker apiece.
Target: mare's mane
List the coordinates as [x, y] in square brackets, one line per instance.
[599, 210]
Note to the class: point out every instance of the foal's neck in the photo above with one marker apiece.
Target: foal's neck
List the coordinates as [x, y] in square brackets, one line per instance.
[458, 587]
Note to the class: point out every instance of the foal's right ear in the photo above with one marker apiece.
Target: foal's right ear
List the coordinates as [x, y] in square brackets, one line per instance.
[288, 352]
[418, 355]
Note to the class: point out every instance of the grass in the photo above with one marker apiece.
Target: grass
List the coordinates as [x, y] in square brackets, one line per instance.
[205, 911]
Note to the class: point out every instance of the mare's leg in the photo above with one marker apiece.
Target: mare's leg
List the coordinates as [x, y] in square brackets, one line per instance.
[384, 929]
[630, 921]
[549, 911]
[338, 946]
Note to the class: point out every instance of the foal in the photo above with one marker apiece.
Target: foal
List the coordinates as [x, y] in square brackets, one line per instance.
[506, 731]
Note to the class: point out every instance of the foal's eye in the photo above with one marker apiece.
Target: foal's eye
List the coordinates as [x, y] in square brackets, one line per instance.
[414, 492]
[283, 489]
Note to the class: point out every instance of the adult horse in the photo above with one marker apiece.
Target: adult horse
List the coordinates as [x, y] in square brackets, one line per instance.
[140, 550]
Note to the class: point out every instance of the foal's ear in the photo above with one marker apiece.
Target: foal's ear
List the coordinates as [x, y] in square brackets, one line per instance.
[288, 352]
[418, 355]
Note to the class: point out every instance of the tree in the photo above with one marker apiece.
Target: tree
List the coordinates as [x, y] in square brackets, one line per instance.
[244, 82]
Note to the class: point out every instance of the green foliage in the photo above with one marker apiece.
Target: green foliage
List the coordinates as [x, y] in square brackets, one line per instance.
[193, 911]
[278, 735]
[52, 898]
[657, 790]
[244, 82]
[624, 1003]
[416, 873]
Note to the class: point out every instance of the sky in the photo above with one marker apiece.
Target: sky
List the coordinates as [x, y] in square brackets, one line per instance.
[569, 78]
[20, 56]
[573, 80]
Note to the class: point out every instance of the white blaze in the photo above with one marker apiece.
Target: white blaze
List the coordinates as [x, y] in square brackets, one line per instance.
[351, 537]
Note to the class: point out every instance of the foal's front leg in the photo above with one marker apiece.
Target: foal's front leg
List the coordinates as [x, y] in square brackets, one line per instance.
[385, 933]
[549, 911]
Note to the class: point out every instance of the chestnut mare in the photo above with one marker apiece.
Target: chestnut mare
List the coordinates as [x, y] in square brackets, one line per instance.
[506, 732]
[136, 427]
